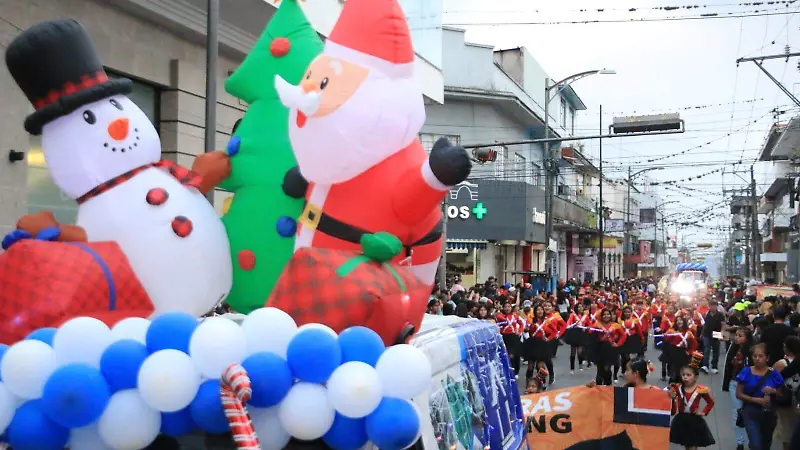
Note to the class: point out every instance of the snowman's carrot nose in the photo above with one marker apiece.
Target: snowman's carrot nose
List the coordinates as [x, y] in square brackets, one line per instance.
[118, 129]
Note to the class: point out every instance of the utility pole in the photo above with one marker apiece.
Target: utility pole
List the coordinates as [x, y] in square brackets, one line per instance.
[443, 259]
[601, 211]
[626, 230]
[754, 239]
[550, 168]
[212, 55]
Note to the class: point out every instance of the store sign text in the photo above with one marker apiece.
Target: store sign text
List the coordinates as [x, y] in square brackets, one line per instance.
[539, 217]
[464, 212]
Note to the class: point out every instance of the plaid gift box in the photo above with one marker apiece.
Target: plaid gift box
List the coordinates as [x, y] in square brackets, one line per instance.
[342, 289]
[44, 283]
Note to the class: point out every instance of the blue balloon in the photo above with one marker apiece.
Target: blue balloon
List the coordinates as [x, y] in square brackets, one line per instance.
[206, 409]
[313, 355]
[32, 429]
[75, 395]
[270, 377]
[43, 334]
[171, 330]
[394, 425]
[177, 424]
[361, 344]
[121, 362]
[3, 348]
[346, 433]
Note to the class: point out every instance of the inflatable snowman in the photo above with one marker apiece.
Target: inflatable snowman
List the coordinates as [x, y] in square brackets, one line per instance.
[104, 152]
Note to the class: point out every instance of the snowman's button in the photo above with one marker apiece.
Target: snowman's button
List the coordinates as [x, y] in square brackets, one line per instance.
[157, 196]
[182, 226]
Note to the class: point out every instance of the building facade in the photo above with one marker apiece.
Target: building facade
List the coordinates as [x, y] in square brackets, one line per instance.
[492, 98]
[160, 45]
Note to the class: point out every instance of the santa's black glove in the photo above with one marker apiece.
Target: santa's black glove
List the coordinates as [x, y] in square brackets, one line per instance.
[294, 184]
[450, 163]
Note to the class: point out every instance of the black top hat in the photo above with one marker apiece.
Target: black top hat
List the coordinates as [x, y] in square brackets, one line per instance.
[58, 69]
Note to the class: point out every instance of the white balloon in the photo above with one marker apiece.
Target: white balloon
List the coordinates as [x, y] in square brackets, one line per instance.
[216, 344]
[404, 370]
[8, 406]
[269, 430]
[128, 423]
[354, 389]
[86, 438]
[81, 340]
[318, 326]
[168, 380]
[305, 412]
[131, 328]
[268, 330]
[26, 366]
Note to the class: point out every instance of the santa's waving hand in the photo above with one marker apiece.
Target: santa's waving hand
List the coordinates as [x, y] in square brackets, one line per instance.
[353, 126]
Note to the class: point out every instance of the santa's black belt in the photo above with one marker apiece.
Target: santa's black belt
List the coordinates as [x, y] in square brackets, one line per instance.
[313, 218]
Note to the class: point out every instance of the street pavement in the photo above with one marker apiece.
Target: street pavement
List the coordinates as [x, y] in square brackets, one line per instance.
[720, 421]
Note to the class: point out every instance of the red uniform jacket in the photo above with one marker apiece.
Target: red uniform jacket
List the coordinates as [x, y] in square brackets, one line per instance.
[511, 324]
[393, 196]
[699, 316]
[684, 339]
[612, 333]
[541, 330]
[667, 321]
[556, 322]
[576, 320]
[632, 327]
[657, 309]
[689, 402]
[644, 320]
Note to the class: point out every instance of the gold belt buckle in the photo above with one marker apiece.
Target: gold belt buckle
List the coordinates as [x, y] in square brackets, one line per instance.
[311, 216]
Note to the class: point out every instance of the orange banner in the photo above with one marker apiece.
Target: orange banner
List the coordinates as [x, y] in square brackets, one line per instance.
[582, 418]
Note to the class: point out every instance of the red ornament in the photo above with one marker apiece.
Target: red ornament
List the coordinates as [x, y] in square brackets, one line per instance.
[246, 259]
[182, 226]
[157, 196]
[280, 47]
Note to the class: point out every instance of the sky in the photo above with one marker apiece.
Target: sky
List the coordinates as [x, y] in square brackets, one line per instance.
[662, 66]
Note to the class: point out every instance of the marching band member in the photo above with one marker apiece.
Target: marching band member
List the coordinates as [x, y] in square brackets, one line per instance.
[609, 337]
[682, 343]
[511, 327]
[559, 326]
[689, 428]
[576, 336]
[537, 349]
[641, 314]
[633, 339]
[665, 324]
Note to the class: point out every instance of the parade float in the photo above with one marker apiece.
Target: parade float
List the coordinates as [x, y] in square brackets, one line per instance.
[103, 340]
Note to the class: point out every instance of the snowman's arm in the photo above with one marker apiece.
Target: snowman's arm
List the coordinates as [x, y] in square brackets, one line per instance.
[213, 168]
[34, 223]
[417, 193]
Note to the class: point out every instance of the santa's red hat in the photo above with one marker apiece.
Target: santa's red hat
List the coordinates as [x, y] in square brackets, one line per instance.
[374, 34]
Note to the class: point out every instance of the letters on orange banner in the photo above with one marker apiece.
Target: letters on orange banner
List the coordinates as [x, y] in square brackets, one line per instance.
[582, 418]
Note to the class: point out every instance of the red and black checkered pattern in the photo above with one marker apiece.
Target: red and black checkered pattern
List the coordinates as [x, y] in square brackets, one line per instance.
[185, 176]
[44, 283]
[311, 291]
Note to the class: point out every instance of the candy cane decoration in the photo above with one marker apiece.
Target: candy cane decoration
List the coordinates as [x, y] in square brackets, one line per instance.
[235, 392]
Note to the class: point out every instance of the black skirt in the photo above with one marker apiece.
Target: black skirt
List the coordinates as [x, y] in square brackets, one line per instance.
[633, 344]
[537, 350]
[603, 353]
[666, 351]
[690, 430]
[678, 357]
[513, 344]
[576, 337]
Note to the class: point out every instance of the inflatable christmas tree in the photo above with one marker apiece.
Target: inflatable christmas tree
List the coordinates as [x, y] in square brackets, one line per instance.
[268, 192]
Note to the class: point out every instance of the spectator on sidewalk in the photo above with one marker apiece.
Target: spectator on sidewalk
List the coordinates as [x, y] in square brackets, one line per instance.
[774, 335]
[713, 323]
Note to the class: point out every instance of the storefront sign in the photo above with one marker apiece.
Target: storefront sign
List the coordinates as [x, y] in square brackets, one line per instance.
[465, 212]
[469, 192]
[539, 217]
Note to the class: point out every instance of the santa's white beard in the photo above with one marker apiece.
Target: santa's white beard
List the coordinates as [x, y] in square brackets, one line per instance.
[380, 119]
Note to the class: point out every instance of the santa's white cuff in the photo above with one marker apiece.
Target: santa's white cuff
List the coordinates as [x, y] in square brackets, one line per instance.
[430, 178]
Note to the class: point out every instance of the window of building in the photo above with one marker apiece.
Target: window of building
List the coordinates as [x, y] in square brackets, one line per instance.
[43, 194]
[563, 113]
[519, 168]
[536, 172]
[572, 121]
[428, 139]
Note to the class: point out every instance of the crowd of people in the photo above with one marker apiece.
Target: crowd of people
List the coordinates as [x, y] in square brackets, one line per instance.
[754, 342]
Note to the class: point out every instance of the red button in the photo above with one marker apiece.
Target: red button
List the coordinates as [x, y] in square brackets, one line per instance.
[182, 226]
[157, 196]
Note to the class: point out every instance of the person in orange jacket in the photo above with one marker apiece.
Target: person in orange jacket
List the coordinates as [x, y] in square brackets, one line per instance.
[683, 343]
[609, 337]
[536, 349]
[641, 313]
[633, 339]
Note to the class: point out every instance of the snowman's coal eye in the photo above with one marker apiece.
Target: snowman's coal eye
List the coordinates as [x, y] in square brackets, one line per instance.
[116, 104]
[89, 117]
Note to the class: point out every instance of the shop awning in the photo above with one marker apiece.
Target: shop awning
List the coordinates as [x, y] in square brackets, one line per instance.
[469, 244]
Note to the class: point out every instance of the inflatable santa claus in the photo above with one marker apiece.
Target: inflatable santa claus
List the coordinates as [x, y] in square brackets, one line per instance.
[354, 121]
